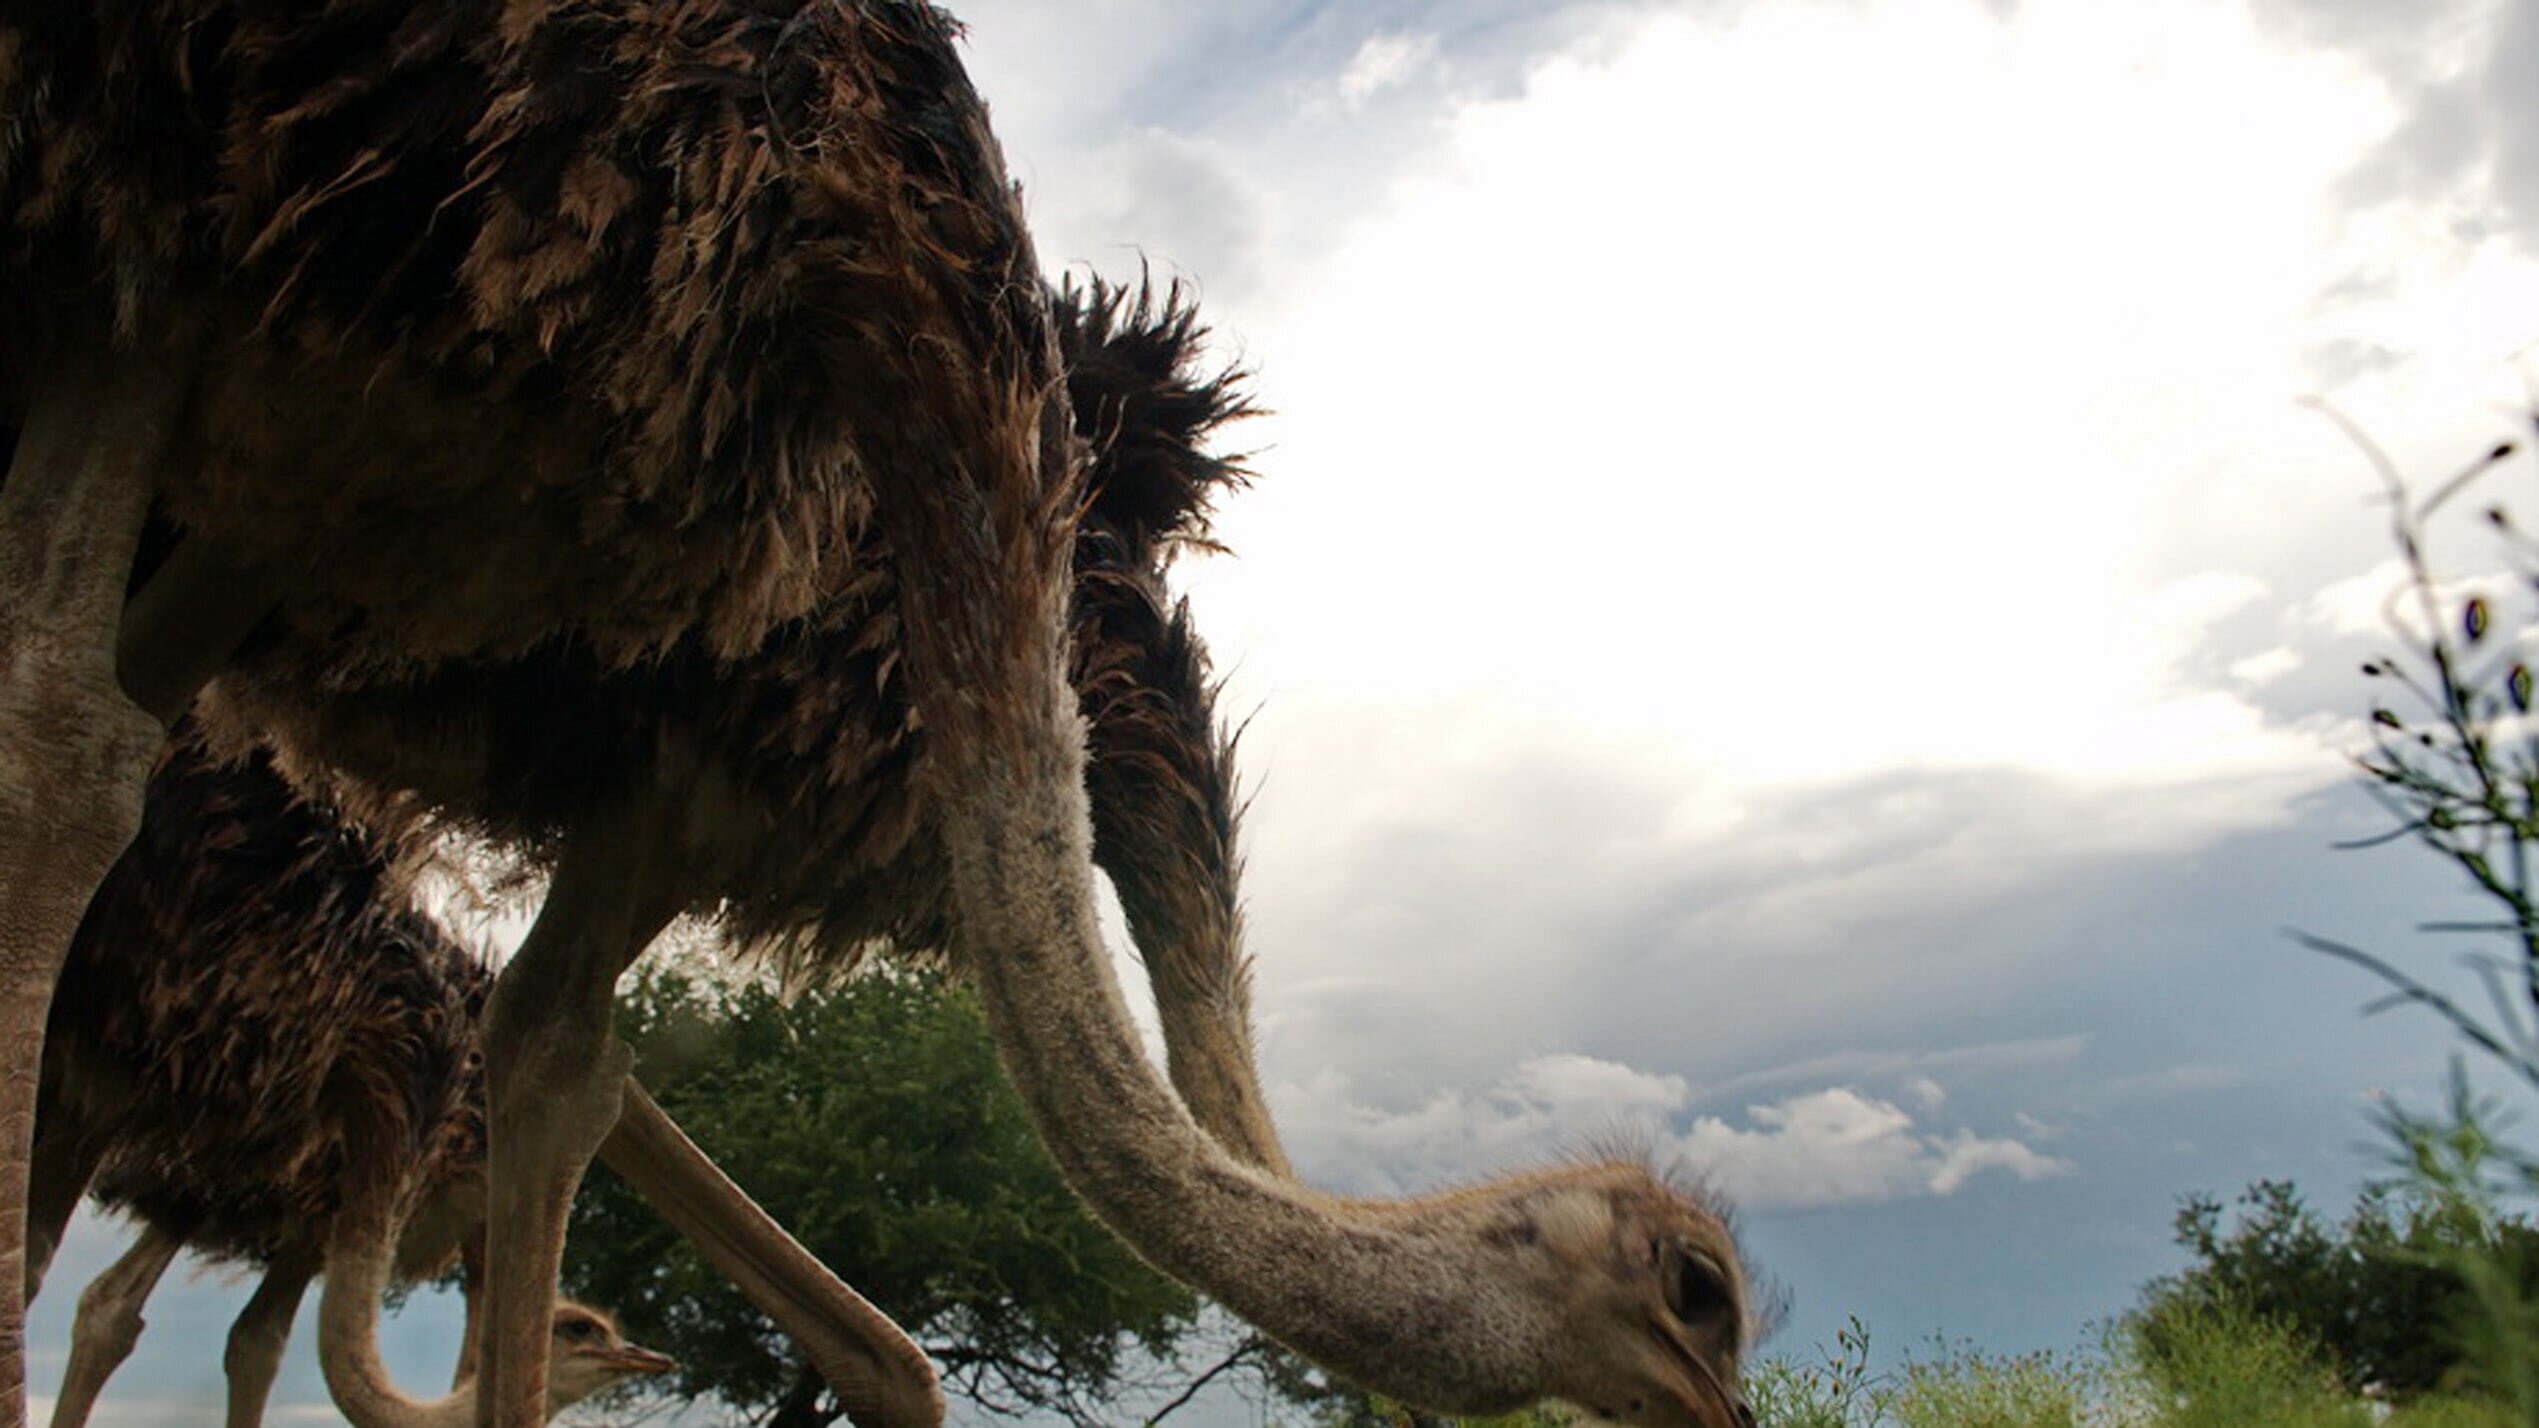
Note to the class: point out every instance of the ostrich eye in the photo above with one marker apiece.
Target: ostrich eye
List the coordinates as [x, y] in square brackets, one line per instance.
[1696, 1287]
[576, 1329]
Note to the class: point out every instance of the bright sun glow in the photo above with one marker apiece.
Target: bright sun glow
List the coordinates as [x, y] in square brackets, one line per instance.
[1806, 389]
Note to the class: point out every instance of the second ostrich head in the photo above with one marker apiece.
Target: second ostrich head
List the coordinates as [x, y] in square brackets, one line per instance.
[592, 1356]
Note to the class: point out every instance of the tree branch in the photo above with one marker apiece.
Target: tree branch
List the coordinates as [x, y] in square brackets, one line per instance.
[1250, 1346]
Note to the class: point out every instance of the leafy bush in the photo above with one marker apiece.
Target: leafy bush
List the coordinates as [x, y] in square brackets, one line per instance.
[1835, 1392]
[2460, 1171]
[2213, 1363]
[2376, 1297]
[1965, 1388]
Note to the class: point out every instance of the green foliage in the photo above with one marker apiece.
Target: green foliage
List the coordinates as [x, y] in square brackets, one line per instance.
[2215, 1365]
[2461, 1172]
[1955, 1386]
[2449, 1412]
[1834, 1391]
[2427, 1295]
[874, 1120]
[2377, 1295]
[2443, 1294]
[2455, 758]
[1964, 1388]
[2211, 1363]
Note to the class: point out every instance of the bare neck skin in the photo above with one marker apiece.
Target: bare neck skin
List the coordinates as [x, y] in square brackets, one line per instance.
[348, 1337]
[589, 1353]
[1469, 1301]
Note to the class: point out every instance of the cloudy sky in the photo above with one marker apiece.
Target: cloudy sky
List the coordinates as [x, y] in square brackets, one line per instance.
[1792, 602]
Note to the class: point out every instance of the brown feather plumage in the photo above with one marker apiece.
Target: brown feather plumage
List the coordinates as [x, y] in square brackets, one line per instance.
[550, 363]
[549, 312]
[255, 1019]
[809, 836]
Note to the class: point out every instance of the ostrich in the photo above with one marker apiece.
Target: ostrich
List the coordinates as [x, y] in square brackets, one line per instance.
[194, 1091]
[677, 376]
[1161, 775]
[1671, 1291]
[274, 275]
[253, 1025]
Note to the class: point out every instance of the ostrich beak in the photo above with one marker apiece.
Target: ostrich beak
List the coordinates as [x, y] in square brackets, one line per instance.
[1703, 1397]
[636, 1359]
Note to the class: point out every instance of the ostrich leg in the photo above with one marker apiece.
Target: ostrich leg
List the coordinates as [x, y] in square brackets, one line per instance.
[68, 1146]
[873, 1367]
[553, 1074]
[74, 748]
[109, 1322]
[471, 1278]
[257, 1338]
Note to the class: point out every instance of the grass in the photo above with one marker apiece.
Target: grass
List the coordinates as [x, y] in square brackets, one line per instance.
[2214, 1368]
[1960, 1387]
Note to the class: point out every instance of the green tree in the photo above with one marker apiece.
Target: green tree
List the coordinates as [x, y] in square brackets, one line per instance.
[2379, 1297]
[874, 1120]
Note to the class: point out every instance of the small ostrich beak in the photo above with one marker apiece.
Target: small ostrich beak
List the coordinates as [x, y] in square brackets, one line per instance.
[636, 1359]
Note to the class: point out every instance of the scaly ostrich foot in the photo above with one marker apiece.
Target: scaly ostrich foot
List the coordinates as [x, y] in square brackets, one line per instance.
[552, 1074]
[109, 1322]
[257, 1338]
[75, 749]
[877, 1372]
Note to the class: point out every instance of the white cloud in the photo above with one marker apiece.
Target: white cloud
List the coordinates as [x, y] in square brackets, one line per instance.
[1966, 1154]
[2358, 605]
[1182, 204]
[1838, 1146]
[1536, 1112]
[1815, 445]
[1384, 61]
[1831, 1146]
[2195, 601]
[2035, 1129]
[2378, 615]
[2266, 666]
[1994, 1060]
[1571, 1082]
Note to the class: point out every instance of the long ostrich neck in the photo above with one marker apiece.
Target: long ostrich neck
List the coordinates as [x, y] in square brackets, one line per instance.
[870, 1365]
[1396, 1296]
[1164, 828]
[1365, 1290]
[1208, 1034]
[357, 1265]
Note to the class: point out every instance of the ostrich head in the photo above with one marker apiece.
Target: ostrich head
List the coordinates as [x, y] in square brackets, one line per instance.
[1600, 1284]
[590, 1355]
[1662, 1311]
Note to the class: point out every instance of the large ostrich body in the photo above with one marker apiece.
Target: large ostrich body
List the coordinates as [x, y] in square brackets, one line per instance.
[494, 348]
[251, 993]
[247, 942]
[438, 350]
